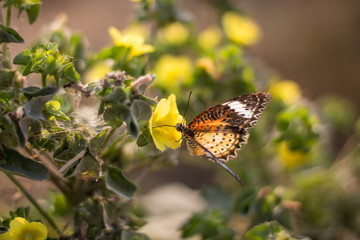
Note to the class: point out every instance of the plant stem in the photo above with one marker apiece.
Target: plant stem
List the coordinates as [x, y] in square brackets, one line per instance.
[34, 202]
[8, 16]
[43, 79]
[5, 52]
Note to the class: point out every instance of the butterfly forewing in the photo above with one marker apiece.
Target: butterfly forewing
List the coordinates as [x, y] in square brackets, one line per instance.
[224, 129]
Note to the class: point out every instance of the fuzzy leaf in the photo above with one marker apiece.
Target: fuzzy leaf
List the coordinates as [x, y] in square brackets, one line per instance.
[6, 78]
[268, 230]
[132, 235]
[117, 182]
[35, 106]
[17, 164]
[23, 58]
[33, 91]
[95, 145]
[142, 112]
[8, 35]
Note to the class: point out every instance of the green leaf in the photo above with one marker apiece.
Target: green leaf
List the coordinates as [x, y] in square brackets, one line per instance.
[70, 147]
[6, 95]
[269, 230]
[27, 123]
[35, 106]
[61, 205]
[87, 168]
[132, 125]
[33, 91]
[6, 78]
[23, 212]
[69, 73]
[23, 58]
[95, 145]
[142, 112]
[8, 35]
[16, 163]
[209, 224]
[144, 138]
[131, 235]
[119, 53]
[33, 12]
[115, 115]
[117, 182]
[118, 96]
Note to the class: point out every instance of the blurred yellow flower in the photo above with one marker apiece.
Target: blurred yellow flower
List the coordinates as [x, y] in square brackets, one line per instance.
[171, 72]
[291, 158]
[175, 34]
[20, 229]
[209, 38]
[132, 40]
[138, 29]
[287, 91]
[166, 113]
[207, 65]
[240, 29]
[148, 1]
[98, 71]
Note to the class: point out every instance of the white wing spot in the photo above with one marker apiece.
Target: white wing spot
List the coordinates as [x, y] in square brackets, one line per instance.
[239, 108]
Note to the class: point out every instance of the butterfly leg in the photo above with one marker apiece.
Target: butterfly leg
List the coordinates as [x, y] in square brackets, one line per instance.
[220, 163]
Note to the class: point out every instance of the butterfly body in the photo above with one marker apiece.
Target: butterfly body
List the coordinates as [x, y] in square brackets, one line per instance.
[222, 130]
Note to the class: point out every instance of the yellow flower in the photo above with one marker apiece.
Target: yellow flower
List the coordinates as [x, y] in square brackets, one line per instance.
[287, 91]
[132, 40]
[148, 1]
[175, 34]
[138, 29]
[166, 113]
[171, 72]
[207, 65]
[291, 158]
[20, 229]
[209, 38]
[98, 71]
[240, 29]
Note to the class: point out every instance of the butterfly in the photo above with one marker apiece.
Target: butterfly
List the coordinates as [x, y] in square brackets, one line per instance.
[221, 131]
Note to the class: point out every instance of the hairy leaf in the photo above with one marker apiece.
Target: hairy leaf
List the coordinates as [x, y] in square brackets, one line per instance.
[16, 163]
[117, 182]
[8, 35]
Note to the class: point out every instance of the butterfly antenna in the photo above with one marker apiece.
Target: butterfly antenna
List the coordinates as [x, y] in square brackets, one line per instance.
[187, 105]
[220, 163]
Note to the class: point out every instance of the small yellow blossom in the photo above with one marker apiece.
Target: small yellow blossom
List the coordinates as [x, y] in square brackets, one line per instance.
[207, 65]
[291, 158]
[174, 34]
[209, 38]
[134, 41]
[98, 71]
[166, 113]
[172, 72]
[138, 29]
[20, 229]
[240, 29]
[148, 1]
[287, 91]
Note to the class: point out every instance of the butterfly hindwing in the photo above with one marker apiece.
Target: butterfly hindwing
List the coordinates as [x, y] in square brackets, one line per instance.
[224, 129]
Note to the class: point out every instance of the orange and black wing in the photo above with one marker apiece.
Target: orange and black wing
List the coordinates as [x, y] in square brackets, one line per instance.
[224, 129]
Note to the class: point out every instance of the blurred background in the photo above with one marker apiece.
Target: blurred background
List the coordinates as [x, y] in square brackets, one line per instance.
[314, 43]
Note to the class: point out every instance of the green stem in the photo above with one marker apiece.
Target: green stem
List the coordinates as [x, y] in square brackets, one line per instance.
[43, 79]
[6, 53]
[34, 202]
[8, 16]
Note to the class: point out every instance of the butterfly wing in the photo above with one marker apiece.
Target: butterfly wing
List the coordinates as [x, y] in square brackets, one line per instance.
[224, 129]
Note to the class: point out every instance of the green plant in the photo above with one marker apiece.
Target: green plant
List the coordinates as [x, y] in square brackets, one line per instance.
[75, 129]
